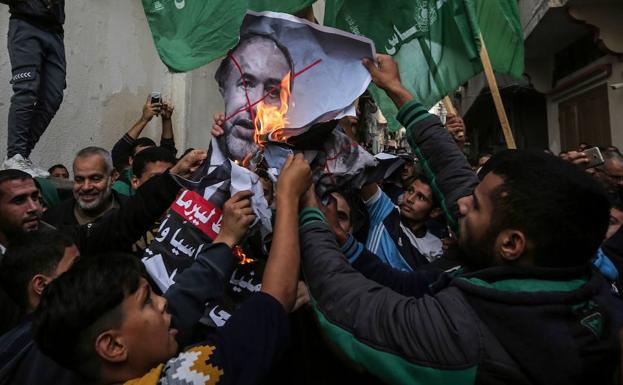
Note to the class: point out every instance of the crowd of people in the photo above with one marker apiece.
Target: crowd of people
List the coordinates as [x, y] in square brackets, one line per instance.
[506, 270]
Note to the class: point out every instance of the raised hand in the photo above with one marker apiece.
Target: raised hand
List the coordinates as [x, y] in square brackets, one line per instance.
[237, 217]
[295, 178]
[386, 76]
[189, 163]
[456, 127]
[576, 157]
[217, 126]
[150, 110]
[167, 111]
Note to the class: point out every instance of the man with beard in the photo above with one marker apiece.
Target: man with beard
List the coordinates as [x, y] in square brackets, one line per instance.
[20, 212]
[252, 71]
[92, 190]
[528, 306]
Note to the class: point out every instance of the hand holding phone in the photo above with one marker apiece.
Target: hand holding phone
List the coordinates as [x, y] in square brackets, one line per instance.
[595, 158]
[155, 97]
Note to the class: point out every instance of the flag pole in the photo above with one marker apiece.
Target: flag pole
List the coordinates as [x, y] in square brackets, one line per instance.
[495, 92]
[447, 103]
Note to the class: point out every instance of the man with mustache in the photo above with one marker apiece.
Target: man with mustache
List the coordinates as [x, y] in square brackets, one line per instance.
[93, 196]
[20, 212]
[253, 69]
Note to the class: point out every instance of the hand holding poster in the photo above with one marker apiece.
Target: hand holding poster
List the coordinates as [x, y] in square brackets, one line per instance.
[308, 73]
[283, 85]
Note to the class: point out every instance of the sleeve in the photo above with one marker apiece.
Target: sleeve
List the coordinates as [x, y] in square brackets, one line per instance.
[11, 313]
[443, 162]
[410, 283]
[169, 144]
[204, 280]
[379, 207]
[401, 340]
[121, 228]
[251, 341]
[613, 246]
[121, 152]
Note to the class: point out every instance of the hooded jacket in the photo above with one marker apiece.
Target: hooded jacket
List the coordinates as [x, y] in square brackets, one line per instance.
[495, 326]
[499, 325]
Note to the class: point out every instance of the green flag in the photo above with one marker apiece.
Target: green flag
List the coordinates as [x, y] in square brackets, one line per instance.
[435, 42]
[191, 33]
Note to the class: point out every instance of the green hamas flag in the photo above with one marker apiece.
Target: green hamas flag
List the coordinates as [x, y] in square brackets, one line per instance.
[191, 33]
[435, 42]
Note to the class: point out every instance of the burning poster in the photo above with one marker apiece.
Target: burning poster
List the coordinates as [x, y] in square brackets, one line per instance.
[285, 75]
[284, 86]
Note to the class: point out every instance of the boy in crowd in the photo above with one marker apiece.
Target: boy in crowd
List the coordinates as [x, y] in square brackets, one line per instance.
[114, 329]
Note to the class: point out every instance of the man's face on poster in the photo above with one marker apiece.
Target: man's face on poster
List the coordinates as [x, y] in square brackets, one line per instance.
[263, 67]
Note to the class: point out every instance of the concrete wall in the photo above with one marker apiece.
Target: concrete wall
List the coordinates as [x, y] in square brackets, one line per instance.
[112, 67]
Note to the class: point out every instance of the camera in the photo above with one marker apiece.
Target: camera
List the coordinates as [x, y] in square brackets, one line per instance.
[156, 97]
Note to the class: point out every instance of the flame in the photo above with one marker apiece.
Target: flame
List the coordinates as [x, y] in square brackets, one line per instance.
[242, 257]
[270, 120]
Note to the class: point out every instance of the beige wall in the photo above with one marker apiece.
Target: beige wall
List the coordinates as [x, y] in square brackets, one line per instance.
[112, 66]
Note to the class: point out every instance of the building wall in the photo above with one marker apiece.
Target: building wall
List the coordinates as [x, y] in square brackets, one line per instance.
[112, 66]
[615, 101]
[615, 98]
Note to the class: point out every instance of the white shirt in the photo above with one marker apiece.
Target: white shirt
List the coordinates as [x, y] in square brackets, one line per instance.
[429, 245]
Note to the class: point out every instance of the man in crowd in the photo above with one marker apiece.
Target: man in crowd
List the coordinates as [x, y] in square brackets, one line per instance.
[398, 234]
[59, 171]
[20, 212]
[31, 263]
[150, 162]
[611, 173]
[37, 54]
[129, 334]
[256, 66]
[126, 148]
[20, 208]
[93, 196]
[527, 309]
[394, 185]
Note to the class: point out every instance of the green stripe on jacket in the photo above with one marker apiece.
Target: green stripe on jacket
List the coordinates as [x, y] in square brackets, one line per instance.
[409, 115]
[390, 368]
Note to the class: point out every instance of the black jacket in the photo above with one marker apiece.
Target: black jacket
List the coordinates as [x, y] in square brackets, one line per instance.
[121, 228]
[44, 14]
[502, 325]
[63, 213]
